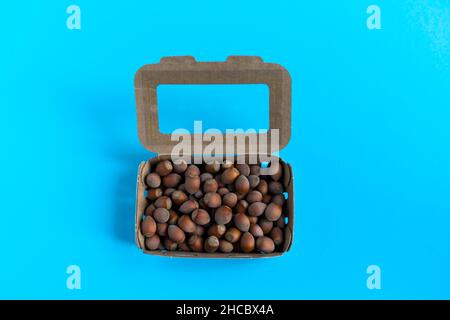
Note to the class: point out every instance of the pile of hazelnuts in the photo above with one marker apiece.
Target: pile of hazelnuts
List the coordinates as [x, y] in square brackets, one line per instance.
[213, 208]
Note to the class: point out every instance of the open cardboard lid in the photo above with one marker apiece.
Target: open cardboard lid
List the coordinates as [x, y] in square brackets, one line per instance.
[235, 70]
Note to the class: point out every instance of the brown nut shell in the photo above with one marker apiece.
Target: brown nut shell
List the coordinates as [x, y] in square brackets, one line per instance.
[212, 200]
[210, 185]
[211, 244]
[265, 244]
[195, 242]
[153, 194]
[150, 209]
[256, 230]
[176, 234]
[217, 230]
[170, 244]
[223, 215]
[244, 169]
[241, 222]
[273, 212]
[186, 224]
[171, 180]
[233, 234]
[192, 171]
[275, 187]
[192, 184]
[242, 185]
[256, 209]
[153, 180]
[230, 199]
[179, 197]
[153, 242]
[148, 226]
[163, 202]
[188, 206]
[164, 167]
[253, 181]
[201, 217]
[247, 242]
[161, 229]
[241, 206]
[173, 218]
[230, 175]
[254, 196]
[225, 246]
[161, 215]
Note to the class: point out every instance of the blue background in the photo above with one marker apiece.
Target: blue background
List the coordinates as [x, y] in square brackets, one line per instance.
[370, 146]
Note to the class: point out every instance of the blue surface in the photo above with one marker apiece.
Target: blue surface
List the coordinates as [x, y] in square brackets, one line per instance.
[370, 146]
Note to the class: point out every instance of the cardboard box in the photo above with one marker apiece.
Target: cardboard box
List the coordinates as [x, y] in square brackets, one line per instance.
[185, 70]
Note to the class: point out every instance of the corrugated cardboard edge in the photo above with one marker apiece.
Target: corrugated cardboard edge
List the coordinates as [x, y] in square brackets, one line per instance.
[141, 203]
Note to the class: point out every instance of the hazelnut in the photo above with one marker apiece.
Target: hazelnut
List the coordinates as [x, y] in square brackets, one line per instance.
[265, 244]
[256, 209]
[188, 206]
[195, 242]
[173, 218]
[192, 171]
[225, 246]
[223, 191]
[175, 234]
[183, 246]
[218, 178]
[182, 187]
[247, 242]
[212, 200]
[153, 194]
[163, 168]
[254, 181]
[170, 245]
[150, 209]
[230, 175]
[199, 230]
[211, 244]
[168, 192]
[186, 224]
[278, 199]
[153, 180]
[217, 230]
[233, 234]
[256, 230]
[205, 176]
[262, 186]
[241, 206]
[179, 166]
[242, 185]
[230, 199]
[255, 170]
[275, 187]
[148, 226]
[210, 186]
[171, 180]
[273, 212]
[212, 167]
[163, 202]
[201, 217]
[244, 169]
[242, 222]
[265, 225]
[153, 242]
[161, 215]
[277, 235]
[254, 196]
[179, 197]
[161, 229]
[223, 215]
[192, 184]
